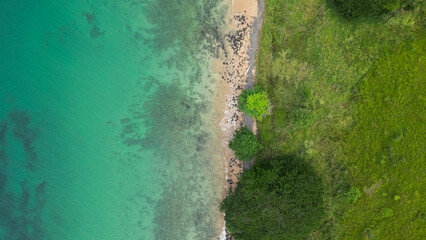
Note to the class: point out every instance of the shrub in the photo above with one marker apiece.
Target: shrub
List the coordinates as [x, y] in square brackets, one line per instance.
[254, 102]
[387, 212]
[280, 199]
[357, 8]
[245, 144]
[301, 117]
[353, 194]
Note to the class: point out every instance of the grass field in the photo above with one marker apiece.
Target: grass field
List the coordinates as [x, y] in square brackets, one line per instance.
[386, 149]
[348, 97]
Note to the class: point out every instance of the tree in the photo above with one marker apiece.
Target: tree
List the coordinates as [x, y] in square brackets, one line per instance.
[357, 8]
[279, 199]
[245, 144]
[254, 102]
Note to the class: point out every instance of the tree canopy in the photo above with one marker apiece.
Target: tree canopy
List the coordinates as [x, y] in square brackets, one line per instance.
[254, 102]
[357, 8]
[245, 144]
[280, 199]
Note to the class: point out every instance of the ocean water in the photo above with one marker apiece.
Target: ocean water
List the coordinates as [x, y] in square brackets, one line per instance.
[105, 119]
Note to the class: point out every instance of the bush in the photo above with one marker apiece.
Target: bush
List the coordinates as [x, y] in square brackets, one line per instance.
[280, 199]
[353, 194]
[254, 102]
[245, 144]
[301, 117]
[357, 8]
[387, 212]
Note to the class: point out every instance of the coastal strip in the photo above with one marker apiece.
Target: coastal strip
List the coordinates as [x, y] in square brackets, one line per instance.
[238, 73]
[237, 69]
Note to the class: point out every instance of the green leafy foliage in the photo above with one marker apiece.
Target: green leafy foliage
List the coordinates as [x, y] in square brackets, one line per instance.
[301, 117]
[277, 200]
[313, 63]
[387, 212]
[245, 144]
[254, 102]
[353, 194]
[356, 8]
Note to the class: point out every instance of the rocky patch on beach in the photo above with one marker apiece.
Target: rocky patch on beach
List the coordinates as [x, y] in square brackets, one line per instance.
[238, 74]
[238, 70]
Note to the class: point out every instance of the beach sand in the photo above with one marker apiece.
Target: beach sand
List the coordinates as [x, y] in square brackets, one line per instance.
[238, 73]
[236, 67]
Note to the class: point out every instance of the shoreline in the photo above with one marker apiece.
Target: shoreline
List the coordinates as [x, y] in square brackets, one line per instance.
[237, 71]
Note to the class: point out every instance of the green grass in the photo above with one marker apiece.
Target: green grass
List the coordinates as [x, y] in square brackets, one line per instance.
[387, 147]
[313, 62]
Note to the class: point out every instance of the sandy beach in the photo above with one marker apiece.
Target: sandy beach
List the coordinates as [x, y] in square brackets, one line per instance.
[237, 70]
[238, 73]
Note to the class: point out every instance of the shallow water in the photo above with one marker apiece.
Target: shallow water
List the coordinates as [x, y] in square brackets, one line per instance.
[102, 130]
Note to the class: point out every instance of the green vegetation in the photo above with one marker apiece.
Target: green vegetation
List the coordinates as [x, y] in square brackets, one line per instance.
[254, 102]
[385, 148]
[245, 144]
[348, 98]
[279, 199]
[353, 194]
[357, 8]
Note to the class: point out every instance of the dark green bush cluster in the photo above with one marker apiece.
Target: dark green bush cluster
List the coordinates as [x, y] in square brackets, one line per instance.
[254, 102]
[245, 144]
[280, 199]
[353, 194]
[357, 8]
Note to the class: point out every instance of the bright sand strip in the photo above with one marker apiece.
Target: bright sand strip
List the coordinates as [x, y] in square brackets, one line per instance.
[237, 69]
[235, 72]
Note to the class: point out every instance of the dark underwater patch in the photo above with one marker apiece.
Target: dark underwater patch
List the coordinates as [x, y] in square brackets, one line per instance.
[20, 212]
[22, 131]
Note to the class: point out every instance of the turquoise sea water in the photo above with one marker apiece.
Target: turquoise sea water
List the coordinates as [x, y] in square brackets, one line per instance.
[104, 119]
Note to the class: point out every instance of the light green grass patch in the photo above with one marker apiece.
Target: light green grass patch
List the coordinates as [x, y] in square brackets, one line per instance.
[387, 145]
